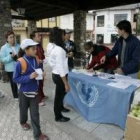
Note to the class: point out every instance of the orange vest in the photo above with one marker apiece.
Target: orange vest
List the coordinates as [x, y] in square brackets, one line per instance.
[24, 63]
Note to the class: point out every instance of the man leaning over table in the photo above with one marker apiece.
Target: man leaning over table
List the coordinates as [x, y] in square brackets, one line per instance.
[127, 47]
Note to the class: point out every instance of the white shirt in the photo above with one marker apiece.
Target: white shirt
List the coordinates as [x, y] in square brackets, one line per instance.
[14, 50]
[57, 59]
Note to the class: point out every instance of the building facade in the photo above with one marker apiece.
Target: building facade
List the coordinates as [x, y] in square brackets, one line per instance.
[66, 21]
[105, 30]
[43, 26]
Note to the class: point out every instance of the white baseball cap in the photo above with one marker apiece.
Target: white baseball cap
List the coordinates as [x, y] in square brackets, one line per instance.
[27, 42]
[67, 31]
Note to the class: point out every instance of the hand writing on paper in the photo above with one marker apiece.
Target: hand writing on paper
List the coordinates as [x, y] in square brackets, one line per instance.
[119, 71]
[90, 70]
[86, 67]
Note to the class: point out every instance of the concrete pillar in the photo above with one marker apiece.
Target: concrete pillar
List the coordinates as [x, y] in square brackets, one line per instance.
[80, 29]
[138, 25]
[79, 32]
[5, 25]
[31, 26]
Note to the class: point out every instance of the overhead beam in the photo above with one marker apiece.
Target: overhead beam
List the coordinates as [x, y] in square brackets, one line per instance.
[49, 15]
[20, 17]
[94, 5]
[36, 11]
[42, 16]
[52, 4]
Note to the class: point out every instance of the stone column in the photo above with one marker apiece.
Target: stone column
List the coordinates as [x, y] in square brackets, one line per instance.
[31, 26]
[5, 24]
[138, 25]
[79, 32]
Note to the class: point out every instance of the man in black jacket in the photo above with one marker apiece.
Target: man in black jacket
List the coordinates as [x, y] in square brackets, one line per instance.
[70, 48]
[127, 48]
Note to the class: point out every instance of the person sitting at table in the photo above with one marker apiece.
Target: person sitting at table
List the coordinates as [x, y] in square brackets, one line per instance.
[97, 52]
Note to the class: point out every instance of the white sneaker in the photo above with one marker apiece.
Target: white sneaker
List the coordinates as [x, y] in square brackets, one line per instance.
[1, 95]
[41, 104]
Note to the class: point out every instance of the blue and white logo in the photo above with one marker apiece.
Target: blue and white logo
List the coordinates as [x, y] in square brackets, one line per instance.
[87, 93]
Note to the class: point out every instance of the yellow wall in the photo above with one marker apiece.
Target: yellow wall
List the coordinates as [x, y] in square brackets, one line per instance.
[26, 23]
[45, 41]
[44, 24]
[38, 23]
[22, 33]
[48, 24]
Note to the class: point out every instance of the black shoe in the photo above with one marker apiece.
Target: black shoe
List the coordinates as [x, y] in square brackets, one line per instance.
[65, 110]
[63, 119]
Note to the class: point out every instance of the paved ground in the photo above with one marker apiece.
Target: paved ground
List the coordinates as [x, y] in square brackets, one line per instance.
[77, 129]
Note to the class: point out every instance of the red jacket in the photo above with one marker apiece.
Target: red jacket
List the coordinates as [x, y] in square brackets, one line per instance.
[98, 53]
[40, 52]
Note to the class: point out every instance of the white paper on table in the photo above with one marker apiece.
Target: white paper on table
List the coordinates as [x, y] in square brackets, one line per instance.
[118, 76]
[135, 82]
[120, 84]
[75, 71]
[83, 71]
[103, 75]
[127, 79]
[40, 74]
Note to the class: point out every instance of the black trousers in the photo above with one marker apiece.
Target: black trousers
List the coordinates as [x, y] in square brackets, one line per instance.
[13, 85]
[32, 104]
[59, 95]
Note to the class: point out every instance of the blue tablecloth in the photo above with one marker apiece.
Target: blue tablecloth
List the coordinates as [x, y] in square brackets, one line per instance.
[98, 102]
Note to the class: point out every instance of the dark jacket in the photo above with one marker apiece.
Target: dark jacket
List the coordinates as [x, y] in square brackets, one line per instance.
[40, 53]
[70, 60]
[97, 54]
[131, 56]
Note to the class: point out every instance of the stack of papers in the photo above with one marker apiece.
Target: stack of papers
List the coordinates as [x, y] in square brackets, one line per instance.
[103, 75]
[118, 81]
[135, 82]
[124, 82]
[120, 84]
[122, 77]
[40, 74]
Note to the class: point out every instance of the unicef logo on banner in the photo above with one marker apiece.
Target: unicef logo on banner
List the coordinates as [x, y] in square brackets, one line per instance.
[87, 93]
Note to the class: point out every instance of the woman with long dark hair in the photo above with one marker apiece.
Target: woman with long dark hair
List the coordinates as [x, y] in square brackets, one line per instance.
[59, 63]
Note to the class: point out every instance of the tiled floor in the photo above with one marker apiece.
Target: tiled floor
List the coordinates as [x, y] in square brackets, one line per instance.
[77, 129]
[102, 131]
[10, 128]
